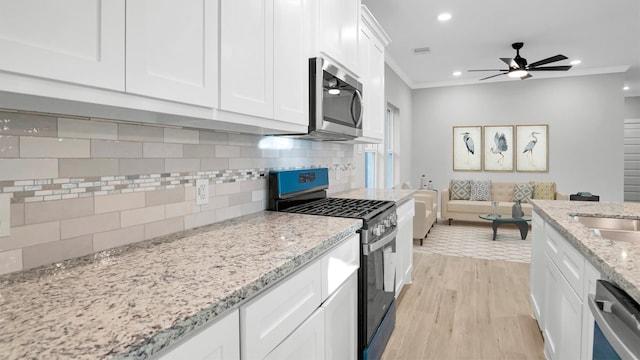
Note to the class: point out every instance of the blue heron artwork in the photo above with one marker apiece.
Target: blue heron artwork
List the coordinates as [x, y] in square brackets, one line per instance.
[466, 148]
[532, 148]
[498, 148]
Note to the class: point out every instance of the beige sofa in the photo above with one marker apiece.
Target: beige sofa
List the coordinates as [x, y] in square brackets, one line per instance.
[468, 210]
[426, 207]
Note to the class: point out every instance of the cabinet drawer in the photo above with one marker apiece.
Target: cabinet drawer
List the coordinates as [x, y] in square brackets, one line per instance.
[269, 319]
[406, 209]
[339, 264]
[568, 260]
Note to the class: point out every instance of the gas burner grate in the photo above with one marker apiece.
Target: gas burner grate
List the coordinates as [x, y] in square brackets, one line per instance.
[351, 208]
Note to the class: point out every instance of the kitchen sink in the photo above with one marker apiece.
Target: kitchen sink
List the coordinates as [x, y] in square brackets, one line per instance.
[608, 223]
[618, 235]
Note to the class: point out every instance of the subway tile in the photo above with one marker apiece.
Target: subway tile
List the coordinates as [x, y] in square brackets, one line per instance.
[28, 235]
[41, 147]
[165, 196]
[142, 216]
[120, 237]
[258, 195]
[164, 227]
[214, 164]
[9, 146]
[162, 150]
[198, 151]
[217, 202]
[240, 163]
[17, 215]
[227, 151]
[47, 211]
[10, 261]
[211, 137]
[119, 202]
[182, 165]
[115, 149]
[88, 167]
[143, 133]
[244, 139]
[87, 129]
[239, 198]
[199, 219]
[24, 124]
[253, 207]
[181, 136]
[49, 253]
[20, 169]
[181, 209]
[228, 188]
[190, 192]
[141, 166]
[228, 213]
[71, 228]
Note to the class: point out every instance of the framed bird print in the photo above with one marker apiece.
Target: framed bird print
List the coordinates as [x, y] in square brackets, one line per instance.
[498, 147]
[467, 148]
[532, 148]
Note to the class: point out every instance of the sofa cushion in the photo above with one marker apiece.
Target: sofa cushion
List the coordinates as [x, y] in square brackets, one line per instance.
[480, 190]
[522, 192]
[502, 191]
[460, 189]
[543, 190]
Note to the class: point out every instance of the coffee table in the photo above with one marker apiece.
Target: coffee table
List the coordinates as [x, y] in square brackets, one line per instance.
[497, 220]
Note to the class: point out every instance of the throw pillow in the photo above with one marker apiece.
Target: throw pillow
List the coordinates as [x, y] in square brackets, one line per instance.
[459, 190]
[480, 190]
[543, 190]
[522, 192]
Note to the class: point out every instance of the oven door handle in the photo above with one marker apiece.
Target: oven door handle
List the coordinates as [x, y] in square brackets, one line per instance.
[369, 248]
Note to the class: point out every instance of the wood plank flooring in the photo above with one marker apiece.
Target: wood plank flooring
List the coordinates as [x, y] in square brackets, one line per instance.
[465, 308]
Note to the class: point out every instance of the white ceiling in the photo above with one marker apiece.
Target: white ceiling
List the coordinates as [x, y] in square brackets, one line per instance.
[604, 34]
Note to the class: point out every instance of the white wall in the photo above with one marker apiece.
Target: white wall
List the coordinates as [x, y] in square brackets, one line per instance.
[632, 107]
[585, 116]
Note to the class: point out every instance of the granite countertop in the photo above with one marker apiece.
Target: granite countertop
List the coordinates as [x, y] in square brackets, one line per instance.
[398, 195]
[130, 302]
[618, 260]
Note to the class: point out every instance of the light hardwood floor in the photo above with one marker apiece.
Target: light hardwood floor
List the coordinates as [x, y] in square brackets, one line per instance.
[465, 308]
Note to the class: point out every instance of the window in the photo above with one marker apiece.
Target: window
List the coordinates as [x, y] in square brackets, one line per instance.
[388, 148]
[370, 167]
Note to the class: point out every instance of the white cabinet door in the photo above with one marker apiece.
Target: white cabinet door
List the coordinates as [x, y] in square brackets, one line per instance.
[246, 55]
[404, 244]
[220, 341]
[306, 342]
[341, 321]
[339, 30]
[537, 268]
[172, 48]
[292, 26]
[76, 41]
[563, 316]
[339, 264]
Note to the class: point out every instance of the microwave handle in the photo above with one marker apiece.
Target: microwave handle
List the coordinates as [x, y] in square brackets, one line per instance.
[357, 94]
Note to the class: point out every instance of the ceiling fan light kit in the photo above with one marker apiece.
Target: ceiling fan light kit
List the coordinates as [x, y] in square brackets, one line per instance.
[518, 67]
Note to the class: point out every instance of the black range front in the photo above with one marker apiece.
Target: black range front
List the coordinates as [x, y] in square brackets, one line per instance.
[304, 192]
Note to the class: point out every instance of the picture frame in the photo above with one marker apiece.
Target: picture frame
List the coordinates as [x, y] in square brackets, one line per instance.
[532, 148]
[498, 147]
[467, 148]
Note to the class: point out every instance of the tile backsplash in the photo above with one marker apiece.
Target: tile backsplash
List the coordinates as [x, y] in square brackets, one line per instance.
[81, 185]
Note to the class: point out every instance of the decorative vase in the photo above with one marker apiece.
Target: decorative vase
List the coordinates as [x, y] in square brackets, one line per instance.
[516, 210]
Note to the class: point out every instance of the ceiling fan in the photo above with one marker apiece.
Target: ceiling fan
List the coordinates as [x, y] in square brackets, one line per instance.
[518, 66]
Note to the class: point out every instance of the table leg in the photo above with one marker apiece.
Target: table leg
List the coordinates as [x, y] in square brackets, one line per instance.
[524, 229]
[495, 229]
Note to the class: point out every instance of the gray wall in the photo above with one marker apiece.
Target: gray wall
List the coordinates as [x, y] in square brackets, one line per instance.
[398, 94]
[632, 107]
[585, 117]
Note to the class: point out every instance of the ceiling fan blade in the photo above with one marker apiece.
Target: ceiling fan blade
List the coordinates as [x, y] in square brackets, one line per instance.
[525, 77]
[551, 68]
[489, 77]
[510, 62]
[489, 70]
[548, 60]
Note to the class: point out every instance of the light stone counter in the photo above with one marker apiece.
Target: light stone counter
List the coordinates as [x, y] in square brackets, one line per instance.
[618, 260]
[398, 195]
[133, 301]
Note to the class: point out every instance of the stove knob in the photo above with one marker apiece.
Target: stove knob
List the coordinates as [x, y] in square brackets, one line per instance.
[394, 219]
[377, 231]
[387, 222]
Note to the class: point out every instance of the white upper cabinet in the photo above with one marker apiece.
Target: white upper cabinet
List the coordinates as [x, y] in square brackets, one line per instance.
[265, 49]
[172, 48]
[75, 41]
[338, 31]
[373, 40]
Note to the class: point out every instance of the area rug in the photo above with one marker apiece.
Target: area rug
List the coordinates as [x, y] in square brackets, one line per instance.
[475, 240]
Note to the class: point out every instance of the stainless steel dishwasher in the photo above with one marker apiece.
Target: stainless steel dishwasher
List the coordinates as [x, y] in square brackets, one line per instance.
[616, 332]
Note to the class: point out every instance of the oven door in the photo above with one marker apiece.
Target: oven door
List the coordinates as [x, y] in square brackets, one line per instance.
[379, 288]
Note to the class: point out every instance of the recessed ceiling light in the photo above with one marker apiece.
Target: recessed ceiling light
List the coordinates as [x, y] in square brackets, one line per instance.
[576, 62]
[625, 88]
[444, 16]
[457, 73]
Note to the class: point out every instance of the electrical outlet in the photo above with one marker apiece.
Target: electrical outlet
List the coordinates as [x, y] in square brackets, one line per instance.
[5, 215]
[202, 191]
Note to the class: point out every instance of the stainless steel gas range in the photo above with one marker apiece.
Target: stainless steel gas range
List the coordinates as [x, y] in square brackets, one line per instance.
[304, 192]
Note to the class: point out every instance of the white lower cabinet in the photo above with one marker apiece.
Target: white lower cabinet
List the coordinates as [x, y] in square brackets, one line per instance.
[341, 321]
[404, 244]
[220, 341]
[537, 268]
[306, 342]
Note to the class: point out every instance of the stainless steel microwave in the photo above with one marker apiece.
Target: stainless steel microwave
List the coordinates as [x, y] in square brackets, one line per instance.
[335, 102]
